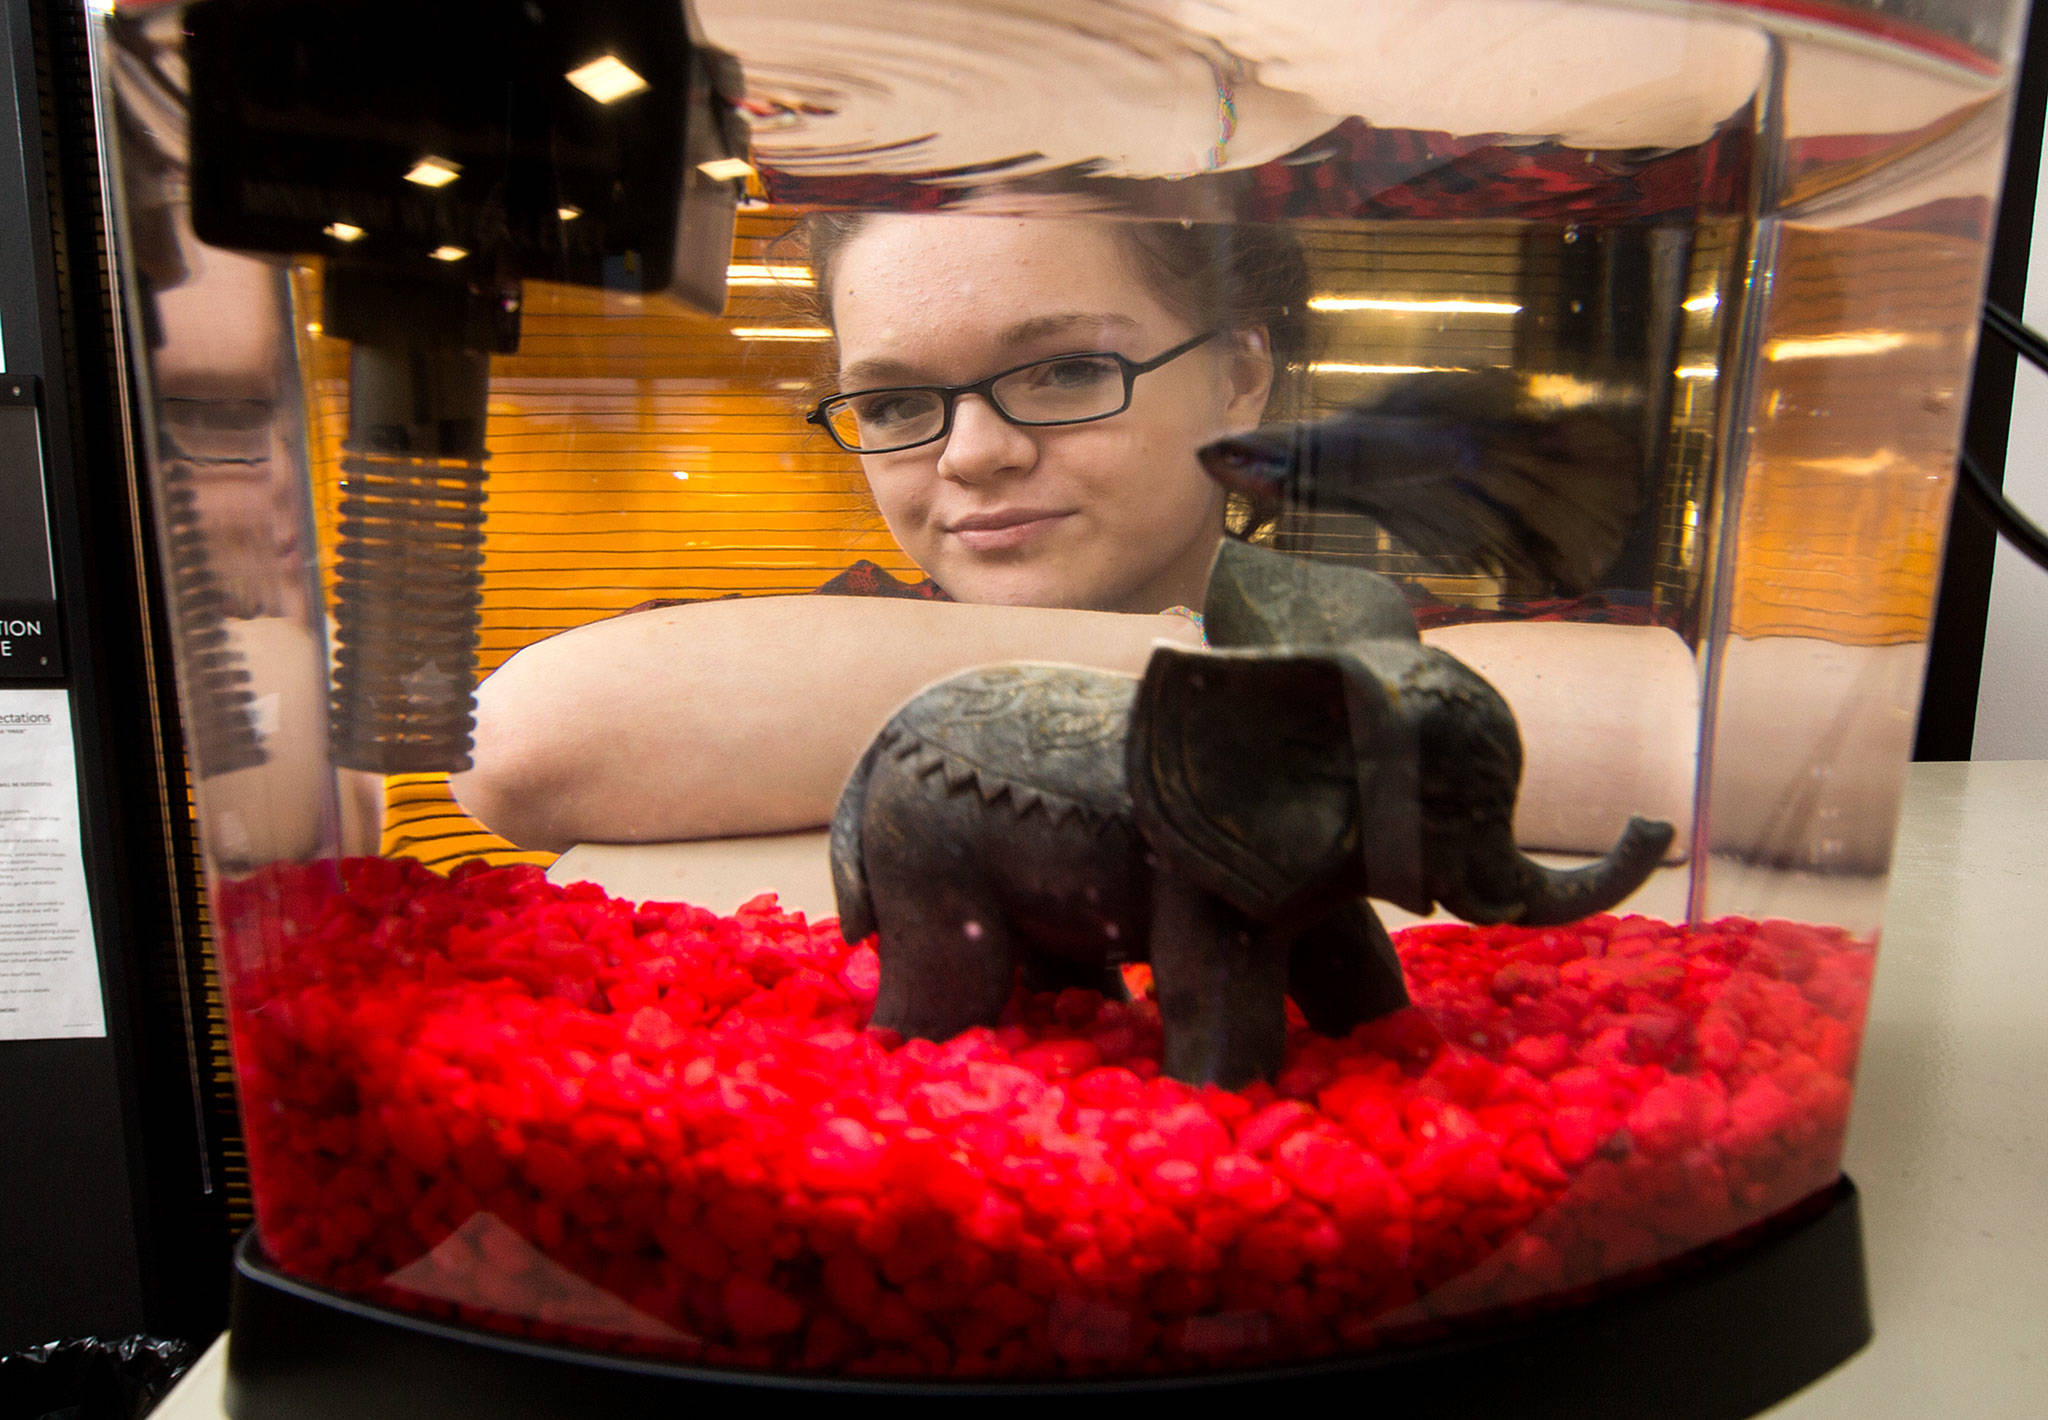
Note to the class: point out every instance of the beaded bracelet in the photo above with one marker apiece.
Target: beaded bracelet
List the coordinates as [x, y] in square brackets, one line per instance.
[1192, 615]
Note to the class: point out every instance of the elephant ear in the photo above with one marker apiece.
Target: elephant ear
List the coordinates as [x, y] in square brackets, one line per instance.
[1280, 781]
[1259, 597]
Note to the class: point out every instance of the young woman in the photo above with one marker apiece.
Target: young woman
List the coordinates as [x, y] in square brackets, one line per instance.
[1026, 396]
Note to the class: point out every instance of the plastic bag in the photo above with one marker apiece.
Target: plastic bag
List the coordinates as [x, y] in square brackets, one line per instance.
[92, 1378]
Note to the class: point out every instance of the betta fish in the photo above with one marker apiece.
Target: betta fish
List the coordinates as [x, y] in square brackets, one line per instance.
[1531, 478]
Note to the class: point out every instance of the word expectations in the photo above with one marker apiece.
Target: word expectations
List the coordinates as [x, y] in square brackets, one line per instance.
[49, 969]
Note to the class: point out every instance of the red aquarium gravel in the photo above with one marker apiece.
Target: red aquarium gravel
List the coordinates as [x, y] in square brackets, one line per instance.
[659, 1130]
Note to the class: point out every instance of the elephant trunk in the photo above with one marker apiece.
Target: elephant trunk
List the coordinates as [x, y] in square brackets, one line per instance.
[1503, 885]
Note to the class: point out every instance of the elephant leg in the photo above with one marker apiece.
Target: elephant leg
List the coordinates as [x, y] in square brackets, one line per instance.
[949, 964]
[1222, 986]
[1045, 972]
[1343, 971]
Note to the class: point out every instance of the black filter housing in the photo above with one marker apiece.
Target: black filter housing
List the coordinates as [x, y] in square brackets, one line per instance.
[309, 113]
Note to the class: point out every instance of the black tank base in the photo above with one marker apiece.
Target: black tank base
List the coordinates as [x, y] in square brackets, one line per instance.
[1718, 1339]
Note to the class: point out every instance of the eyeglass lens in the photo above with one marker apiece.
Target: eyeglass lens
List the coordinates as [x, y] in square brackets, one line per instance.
[1064, 390]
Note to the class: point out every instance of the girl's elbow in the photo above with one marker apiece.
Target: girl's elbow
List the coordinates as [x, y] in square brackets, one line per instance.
[512, 789]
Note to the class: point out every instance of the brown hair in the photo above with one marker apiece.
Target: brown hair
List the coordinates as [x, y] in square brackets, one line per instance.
[1232, 277]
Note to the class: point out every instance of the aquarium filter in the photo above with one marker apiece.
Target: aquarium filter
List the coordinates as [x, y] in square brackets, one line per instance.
[591, 144]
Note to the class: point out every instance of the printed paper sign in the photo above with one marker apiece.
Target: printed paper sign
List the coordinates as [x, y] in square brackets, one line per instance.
[49, 967]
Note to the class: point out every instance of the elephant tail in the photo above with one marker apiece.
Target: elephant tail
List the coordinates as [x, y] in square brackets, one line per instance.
[849, 862]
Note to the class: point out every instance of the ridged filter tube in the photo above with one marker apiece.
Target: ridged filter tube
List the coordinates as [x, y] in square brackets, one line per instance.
[221, 734]
[409, 564]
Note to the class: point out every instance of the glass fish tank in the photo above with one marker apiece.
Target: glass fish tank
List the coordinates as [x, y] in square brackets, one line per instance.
[962, 695]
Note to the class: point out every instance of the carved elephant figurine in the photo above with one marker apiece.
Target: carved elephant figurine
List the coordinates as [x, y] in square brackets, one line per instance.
[1222, 817]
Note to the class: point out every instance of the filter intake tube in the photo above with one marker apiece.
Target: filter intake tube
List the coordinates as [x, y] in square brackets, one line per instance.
[409, 563]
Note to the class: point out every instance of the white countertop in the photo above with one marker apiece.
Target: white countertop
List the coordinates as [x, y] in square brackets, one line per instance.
[1949, 1138]
[1949, 1141]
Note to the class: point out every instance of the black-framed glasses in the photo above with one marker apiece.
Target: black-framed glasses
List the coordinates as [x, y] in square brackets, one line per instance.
[1077, 388]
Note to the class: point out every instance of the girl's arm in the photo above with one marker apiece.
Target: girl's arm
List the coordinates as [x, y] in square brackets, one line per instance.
[740, 716]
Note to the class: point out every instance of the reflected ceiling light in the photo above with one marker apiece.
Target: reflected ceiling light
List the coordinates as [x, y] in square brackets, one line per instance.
[1563, 391]
[449, 253]
[343, 231]
[1346, 367]
[434, 172]
[1697, 372]
[607, 80]
[1707, 302]
[568, 214]
[781, 332]
[1851, 342]
[1380, 303]
[1865, 467]
[750, 273]
[727, 169]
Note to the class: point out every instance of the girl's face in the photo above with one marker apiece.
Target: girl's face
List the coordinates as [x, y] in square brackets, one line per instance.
[1114, 515]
